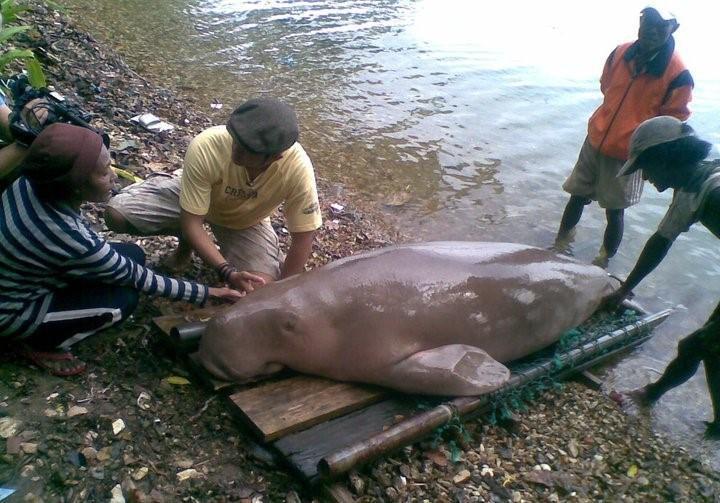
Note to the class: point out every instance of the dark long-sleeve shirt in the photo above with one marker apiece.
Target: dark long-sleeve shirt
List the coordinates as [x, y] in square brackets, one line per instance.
[45, 247]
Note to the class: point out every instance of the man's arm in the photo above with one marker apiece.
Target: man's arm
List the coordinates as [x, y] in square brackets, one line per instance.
[606, 71]
[299, 252]
[5, 123]
[678, 97]
[10, 158]
[193, 231]
[653, 253]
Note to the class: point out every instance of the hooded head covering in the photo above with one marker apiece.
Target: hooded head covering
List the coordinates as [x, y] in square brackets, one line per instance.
[61, 154]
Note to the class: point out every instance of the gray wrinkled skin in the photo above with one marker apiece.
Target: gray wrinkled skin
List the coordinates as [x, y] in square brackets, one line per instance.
[432, 318]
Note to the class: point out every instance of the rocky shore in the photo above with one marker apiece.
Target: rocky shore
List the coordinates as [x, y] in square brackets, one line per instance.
[135, 428]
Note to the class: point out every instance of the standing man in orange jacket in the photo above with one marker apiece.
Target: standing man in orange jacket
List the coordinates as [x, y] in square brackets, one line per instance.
[641, 80]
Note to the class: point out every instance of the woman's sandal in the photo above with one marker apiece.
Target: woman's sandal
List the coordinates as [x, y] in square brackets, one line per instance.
[45, 360]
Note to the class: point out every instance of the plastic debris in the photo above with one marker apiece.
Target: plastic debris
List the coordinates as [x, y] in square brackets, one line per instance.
[336, 208]
[152, 123]
[216, 105]
[5, 492]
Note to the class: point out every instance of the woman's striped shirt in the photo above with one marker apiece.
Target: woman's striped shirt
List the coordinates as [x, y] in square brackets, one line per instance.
[46, 247]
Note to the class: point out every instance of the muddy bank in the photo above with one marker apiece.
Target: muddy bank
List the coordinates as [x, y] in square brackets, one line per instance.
[135, 424]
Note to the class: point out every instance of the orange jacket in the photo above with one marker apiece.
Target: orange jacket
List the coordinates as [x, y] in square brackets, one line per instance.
[663, 87]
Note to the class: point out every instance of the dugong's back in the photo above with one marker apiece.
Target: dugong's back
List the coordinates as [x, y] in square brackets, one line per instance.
[430, 318]
[509, 299]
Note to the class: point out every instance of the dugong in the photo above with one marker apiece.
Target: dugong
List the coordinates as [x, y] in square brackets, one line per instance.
[435, 318]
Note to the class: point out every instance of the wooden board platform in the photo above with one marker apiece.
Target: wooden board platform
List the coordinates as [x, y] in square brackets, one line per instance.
[276, 409]
[303, 450]
[285, 403]
[308, 419]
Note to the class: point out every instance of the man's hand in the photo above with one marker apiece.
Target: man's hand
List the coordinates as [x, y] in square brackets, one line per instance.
[245, 281]
[225, 293]
[35, 112]
[612, 302]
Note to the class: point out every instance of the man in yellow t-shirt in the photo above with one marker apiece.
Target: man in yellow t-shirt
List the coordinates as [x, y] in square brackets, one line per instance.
[234, 177]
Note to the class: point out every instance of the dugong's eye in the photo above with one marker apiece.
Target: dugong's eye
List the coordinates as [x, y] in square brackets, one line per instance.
[289, 321]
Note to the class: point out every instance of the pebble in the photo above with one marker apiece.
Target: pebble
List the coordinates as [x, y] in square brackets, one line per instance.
[461, 477]
[140, 473]
[190, 473]
[292, 497]
[90, 453]
[9, 427]
[118, 426]
[29, 447]
[117, 495]
[104, 454]
[76, 410]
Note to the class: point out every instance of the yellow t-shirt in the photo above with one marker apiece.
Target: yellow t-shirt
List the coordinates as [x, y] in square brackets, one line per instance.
[212, 185]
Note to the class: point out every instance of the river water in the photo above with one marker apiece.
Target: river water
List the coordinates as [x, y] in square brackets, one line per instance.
[459, 119]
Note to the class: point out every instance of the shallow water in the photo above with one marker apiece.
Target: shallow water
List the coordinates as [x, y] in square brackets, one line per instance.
[459, 121]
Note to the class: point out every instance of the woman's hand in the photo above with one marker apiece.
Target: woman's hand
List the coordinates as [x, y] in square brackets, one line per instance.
[244, 281]
[225, 293]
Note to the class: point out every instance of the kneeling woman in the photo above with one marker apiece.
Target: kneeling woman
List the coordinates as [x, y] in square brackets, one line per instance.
[59, 280]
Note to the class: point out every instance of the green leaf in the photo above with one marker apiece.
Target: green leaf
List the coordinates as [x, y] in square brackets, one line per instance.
[177, 380]
[9, 10]
[8, 33]
[36, 76]
[13, 55]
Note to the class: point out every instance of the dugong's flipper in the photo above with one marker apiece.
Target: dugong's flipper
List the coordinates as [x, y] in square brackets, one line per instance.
[455, 370]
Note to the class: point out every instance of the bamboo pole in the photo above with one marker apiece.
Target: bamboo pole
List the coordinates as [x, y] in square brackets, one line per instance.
[420, 425]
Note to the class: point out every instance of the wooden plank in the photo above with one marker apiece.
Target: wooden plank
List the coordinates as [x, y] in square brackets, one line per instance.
[275, 409]
[303, 450]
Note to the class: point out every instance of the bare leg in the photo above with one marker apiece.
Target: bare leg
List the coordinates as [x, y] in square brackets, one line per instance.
[682, 368]
[712, 373]
[571, 216]
[611, 239]
[175, 262]
[614, 231]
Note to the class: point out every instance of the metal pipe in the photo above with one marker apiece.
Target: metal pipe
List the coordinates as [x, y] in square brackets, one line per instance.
[187, 336]
[419, 426]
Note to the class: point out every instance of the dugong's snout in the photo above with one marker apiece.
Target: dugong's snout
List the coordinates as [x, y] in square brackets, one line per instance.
[231, 350]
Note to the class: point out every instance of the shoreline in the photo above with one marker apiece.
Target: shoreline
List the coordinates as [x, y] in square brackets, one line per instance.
[592, 449]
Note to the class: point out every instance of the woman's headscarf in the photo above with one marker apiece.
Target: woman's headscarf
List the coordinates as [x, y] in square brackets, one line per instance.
[60, 156]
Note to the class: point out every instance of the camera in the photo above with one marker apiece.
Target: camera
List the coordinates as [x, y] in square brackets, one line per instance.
[26, 123]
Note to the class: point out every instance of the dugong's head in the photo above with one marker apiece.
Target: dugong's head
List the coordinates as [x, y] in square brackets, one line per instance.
[242, 344]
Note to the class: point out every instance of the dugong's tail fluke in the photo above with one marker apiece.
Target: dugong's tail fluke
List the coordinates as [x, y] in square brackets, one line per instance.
[455, 369]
